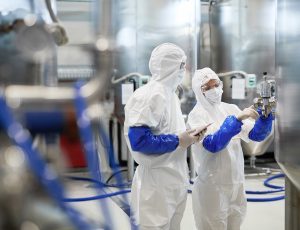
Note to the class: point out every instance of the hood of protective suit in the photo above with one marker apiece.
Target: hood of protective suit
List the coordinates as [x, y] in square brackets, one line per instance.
[212, 113]
[165, 64]
[201, 77]
[215, 111]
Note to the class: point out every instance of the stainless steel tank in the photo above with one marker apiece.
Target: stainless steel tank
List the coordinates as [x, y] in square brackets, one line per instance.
[288, 119]
[141, 25]
[242, 34]
[287, 68]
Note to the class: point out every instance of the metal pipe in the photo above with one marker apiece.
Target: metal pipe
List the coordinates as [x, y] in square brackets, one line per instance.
[292, 206]
[115, 138]
[130, 165]
[226, 74]
[19, 96]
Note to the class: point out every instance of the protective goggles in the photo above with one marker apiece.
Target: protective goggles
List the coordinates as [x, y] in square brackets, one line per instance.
[182, 65]
[211, 84]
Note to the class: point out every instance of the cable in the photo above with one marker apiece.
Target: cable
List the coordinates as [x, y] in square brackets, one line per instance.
[98, 197]
[45, 174]
[114, 174]
[51, 12]
[101, 184]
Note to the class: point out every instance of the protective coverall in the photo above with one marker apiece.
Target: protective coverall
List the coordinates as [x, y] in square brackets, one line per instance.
[153, 119]
[219, 201]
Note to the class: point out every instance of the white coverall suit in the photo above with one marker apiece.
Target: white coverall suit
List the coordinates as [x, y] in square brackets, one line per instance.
[159, 187]
[219, 201]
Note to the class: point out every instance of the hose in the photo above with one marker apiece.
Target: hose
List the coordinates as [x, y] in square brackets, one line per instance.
[265, 199]
[45, 174]
[264, 192]
[114, 174]
[267, 184]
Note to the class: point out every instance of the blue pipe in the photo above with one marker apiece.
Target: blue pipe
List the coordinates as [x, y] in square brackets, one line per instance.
[86, 136]
[45, 174]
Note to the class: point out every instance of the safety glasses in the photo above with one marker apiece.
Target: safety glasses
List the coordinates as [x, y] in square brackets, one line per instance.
[182, 65]
[211, 84]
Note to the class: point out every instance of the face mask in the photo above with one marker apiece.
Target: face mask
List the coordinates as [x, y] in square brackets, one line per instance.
[179, 77]
[214, 95]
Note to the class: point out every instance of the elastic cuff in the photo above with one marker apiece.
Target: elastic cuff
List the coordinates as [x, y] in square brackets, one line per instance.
[263, 118]
[236, 123]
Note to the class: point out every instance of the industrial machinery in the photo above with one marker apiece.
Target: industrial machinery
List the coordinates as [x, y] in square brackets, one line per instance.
[123, 37]
[36, 110]
[266, 102]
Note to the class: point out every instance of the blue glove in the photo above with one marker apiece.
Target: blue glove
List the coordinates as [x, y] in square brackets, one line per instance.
[142, 140]
[262, 127]
[220, 139]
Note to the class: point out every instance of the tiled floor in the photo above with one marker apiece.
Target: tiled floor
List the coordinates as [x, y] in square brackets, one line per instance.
[268, 215]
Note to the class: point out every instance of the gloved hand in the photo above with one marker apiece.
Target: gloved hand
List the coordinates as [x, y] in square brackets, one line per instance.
[187, 138]
[200, 131]
[249, 112]
[269, 113]
[262, 127]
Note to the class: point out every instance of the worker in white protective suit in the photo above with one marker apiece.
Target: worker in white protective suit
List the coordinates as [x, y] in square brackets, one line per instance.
[218, 195]
[156, 135]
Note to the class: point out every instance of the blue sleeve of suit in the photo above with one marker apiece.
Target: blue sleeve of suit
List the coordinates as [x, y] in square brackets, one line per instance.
[262, 128]
[143, 140]
[220, 139]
